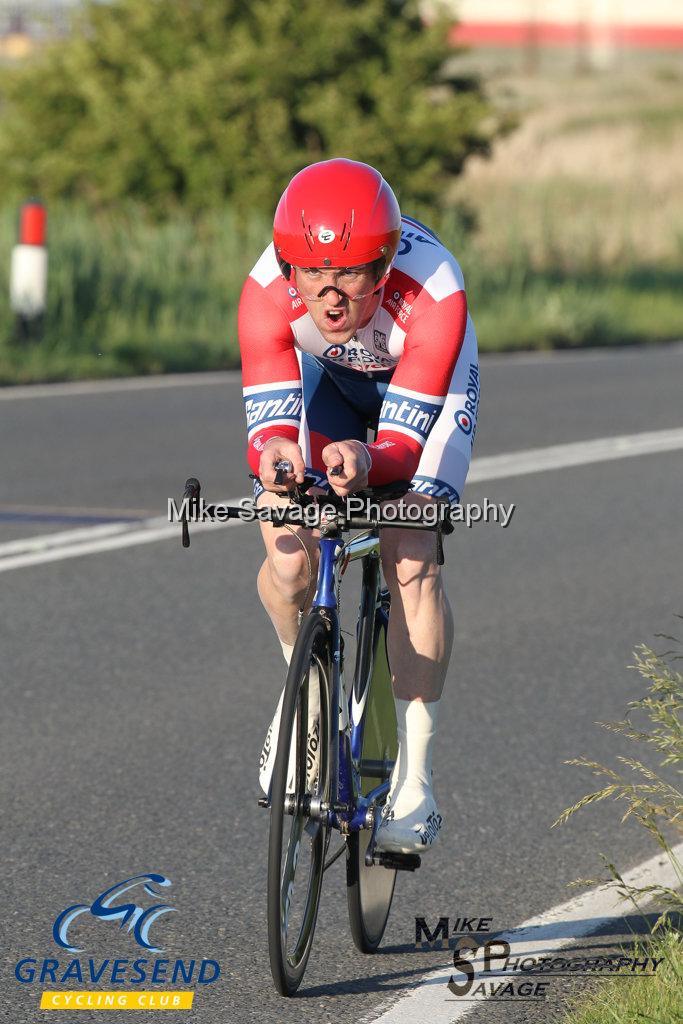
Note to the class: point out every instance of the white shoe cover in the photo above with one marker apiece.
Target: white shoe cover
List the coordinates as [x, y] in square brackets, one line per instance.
[410, 820]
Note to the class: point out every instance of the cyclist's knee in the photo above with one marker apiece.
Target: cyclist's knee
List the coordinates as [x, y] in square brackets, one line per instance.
[288, 572]
[409, 559]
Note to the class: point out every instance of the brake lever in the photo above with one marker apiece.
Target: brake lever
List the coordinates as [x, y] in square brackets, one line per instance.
[445, 527]
[282, 468]
[440, 558]
[298, 492]
[192, 491]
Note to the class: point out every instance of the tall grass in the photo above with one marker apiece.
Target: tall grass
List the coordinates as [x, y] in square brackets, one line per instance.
[657, 1000]
[128, 295]
[577, 240]
[655, 722]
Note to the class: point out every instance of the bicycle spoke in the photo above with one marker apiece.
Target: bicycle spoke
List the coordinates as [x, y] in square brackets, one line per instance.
[287, 887]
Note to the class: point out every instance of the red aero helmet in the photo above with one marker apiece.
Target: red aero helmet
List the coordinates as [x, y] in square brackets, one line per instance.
[337, 213]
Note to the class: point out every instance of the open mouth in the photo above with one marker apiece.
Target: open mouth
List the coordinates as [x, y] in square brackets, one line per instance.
[335, 318]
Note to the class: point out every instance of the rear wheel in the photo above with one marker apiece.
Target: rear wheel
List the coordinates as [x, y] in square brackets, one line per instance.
[298, 843]
[370, 890]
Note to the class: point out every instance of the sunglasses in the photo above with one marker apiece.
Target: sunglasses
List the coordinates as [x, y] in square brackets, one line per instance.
[351, 282]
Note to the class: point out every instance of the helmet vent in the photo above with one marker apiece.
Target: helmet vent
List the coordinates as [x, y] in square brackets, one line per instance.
[308, 234]
[348, 236]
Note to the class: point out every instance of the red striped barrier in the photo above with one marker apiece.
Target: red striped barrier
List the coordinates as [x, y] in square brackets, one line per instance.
[549, 33]
[28, 271]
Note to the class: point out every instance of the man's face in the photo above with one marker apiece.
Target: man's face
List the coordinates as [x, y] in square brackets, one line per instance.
[340, 300]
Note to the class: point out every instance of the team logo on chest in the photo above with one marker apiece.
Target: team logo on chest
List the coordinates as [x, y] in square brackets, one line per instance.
[334, 352]
[381, 342]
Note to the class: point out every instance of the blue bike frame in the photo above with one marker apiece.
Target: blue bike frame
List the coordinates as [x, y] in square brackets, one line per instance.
[345, 787]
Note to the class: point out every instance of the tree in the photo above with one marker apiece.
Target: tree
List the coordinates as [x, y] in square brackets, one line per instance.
[197, 101]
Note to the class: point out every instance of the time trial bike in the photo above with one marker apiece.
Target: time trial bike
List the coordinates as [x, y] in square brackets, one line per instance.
[357, 732]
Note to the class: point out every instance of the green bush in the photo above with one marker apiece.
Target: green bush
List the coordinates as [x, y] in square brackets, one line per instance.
[198, 101]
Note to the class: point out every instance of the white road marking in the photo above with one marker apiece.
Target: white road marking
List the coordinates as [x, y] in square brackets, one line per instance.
[98, 387]
[75, 510]
[61, 538]
[124, 540]
[579, 453]
[552, 930]
[53, 547]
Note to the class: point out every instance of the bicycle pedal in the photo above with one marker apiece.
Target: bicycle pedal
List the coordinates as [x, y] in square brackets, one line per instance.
[397, 861]
[263, 801]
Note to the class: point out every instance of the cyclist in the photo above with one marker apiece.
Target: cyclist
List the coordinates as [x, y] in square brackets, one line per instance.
[357, 316]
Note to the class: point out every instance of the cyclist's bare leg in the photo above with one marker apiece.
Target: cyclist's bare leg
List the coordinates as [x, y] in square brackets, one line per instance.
[285, 586]
[421, 622]
[283, 580]
[419, 644]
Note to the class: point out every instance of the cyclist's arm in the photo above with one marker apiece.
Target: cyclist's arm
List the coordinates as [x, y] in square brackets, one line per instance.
[418, 389]
[271, 381]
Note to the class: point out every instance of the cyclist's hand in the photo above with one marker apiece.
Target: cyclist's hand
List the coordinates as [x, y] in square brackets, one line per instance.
[351, 462]
[281, 449]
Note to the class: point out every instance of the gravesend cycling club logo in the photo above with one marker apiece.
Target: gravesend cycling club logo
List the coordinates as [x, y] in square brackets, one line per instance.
[136, 907]
[138, 919]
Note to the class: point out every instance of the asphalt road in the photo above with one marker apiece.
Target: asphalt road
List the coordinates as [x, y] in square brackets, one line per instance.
[137, 683]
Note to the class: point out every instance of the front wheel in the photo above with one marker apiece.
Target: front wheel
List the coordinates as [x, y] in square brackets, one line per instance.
[298, 844]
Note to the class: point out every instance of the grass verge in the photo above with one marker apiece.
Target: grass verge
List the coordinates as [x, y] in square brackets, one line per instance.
[654, 721]
[657, 1000]
[127, 296]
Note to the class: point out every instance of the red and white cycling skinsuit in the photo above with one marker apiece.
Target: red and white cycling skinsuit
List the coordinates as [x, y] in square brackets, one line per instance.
[412, 370]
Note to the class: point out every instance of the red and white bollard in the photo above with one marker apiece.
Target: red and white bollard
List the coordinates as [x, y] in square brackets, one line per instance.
[28, 273]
